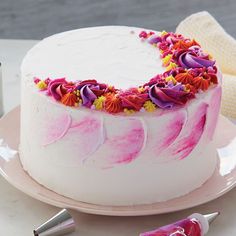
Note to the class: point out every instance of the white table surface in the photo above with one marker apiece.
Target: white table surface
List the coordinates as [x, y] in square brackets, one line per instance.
[20, 214]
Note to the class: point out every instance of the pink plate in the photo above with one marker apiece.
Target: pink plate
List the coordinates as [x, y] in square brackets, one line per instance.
[221, 182]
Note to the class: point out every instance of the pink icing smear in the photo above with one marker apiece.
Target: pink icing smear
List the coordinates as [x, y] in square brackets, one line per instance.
[128, 146]
[163, 131]
[57, 129]
[83, 136]
[213, 112]
[189, 136]
[87, 136]
[123, 143]
[186, 227]
[197, 122]
[172, 131]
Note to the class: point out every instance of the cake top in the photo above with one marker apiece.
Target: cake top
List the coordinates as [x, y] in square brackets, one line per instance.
[121, 69]
[112, 55]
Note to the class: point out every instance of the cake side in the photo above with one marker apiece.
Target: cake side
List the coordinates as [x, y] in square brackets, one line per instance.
[104, 167]
[108, 159]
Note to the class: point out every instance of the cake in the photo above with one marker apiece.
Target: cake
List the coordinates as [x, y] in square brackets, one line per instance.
[119, 115]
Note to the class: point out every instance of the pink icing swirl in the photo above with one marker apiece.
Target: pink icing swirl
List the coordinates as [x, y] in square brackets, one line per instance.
[186, 227]
[168, 97]
[132, 99]
[59, 87]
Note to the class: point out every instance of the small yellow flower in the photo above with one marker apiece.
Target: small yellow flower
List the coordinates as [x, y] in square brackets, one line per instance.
[80, 102]
[171, 79]
[41, 85]
[166, 60]
[172, 65]
[98, 103]
[149, 106]
[110, 87]
[186, 89]
[163, 33]
[141, 89]
[129, 111]
[77, 93]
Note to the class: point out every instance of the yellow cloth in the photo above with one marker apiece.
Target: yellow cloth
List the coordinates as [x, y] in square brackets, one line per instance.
[212, 37]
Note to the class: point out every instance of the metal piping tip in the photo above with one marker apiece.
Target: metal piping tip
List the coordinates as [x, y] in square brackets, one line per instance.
[211, 217]
[60, 224]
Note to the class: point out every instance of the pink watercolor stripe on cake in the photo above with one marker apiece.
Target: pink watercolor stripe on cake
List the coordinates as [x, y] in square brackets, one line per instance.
[86, 136]
[189, 136]
[163, 131]
[123, 143]
[213, 111]
[57, 129]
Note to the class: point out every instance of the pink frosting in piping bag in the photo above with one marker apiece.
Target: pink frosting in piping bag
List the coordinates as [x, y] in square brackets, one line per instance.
[194, 225]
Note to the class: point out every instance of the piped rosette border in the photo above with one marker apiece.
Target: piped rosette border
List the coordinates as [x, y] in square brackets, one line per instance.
[189, 70]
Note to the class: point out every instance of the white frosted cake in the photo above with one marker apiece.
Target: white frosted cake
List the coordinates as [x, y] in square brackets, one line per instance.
[119, 115]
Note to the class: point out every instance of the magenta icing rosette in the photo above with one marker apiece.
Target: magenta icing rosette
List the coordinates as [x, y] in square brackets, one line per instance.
[169, 96]
[132, 99]
[58, 87]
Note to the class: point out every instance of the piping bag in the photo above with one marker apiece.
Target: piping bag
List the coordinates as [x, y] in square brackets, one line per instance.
[194, 225]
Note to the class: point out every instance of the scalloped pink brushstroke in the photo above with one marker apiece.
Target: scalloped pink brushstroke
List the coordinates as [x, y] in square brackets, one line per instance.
[127, 147]
[123, 142]
[57, 129]
[213, 112]
[88, 136]
[189, 136]
[193, 133]
[85, 136]
[163, 131]
[169, 133]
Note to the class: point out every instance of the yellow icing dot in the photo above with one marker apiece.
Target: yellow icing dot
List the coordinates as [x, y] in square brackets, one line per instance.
[163, 33]
[171, 79]
[149, 106]
[172, 65]
[80, 102]
[166, 60]
[141, 89]
[186, 89]
[98, 103]
[129, 111]
[41, 85]
[77, 93]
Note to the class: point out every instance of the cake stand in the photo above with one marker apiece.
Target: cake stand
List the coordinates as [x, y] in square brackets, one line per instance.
[223, 179]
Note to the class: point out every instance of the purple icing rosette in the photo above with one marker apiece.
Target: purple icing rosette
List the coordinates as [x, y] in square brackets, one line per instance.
[193, 58]
[90, 90]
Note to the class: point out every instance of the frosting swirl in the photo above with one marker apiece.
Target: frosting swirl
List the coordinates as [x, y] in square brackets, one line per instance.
[168, 97]
[59, 87]
[193, 58]
[133, 99]
[90, 90]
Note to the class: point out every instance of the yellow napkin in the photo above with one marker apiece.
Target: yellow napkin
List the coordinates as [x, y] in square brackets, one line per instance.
[212, 37]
